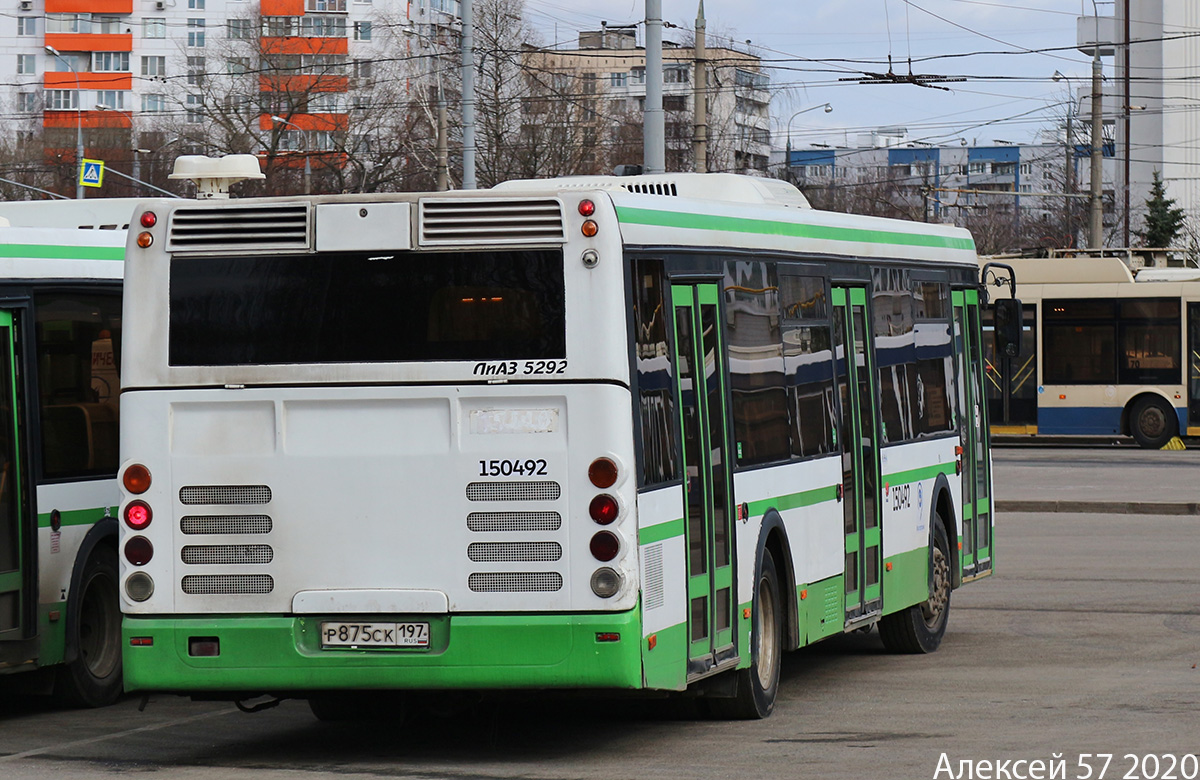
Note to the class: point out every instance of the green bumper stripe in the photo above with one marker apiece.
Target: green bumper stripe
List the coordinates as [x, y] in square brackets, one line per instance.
[919, 475]
[656, 533]
[278, 653]
[79, 516]
[680, 219]
[794, 500]
[65, 252]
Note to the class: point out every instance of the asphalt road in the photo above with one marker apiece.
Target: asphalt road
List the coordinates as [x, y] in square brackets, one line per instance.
[1087, 640]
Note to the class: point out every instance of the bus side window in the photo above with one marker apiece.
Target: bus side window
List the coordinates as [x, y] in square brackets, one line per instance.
[808, 364]
[78, 347]
[655, 374]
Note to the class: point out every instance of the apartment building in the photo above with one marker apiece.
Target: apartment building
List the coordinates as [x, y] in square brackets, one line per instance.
[130, 77]
[606, 73]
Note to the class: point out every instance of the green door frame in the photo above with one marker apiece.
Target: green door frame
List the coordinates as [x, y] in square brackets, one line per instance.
[976, 541]
[13, 620]
[708, 482]
[863, 510]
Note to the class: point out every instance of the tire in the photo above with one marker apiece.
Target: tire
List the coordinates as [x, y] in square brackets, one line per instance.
[93, 678]
[920, 628]
[350, 706]
[758, 685]
[1153, 422]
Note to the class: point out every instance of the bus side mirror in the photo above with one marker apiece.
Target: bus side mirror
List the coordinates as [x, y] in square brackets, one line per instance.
[1007, 321]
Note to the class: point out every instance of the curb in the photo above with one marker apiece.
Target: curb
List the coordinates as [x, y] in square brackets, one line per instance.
[1102, 507]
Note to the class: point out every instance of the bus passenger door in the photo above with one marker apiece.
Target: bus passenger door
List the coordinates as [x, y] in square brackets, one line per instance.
[13, 620]
[707, 492]
[860, 455]
[976, 542]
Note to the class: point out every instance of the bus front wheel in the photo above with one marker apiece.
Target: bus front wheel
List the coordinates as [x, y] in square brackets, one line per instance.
[1153, 422]
[920, 628]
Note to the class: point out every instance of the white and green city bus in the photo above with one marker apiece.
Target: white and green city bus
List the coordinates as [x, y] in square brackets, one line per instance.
[598, 433]
[60, 335]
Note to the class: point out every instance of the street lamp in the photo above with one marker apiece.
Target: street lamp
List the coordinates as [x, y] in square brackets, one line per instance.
[1069, 184]
[303, 148]
[53, 52]
[825, 106]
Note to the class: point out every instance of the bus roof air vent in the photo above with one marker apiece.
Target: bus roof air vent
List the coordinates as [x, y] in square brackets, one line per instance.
[727, 187]
[278, 227]
[490, 221]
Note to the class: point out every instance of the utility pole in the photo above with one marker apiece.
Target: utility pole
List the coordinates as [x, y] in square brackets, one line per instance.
[1096, 223]
[654, 155]
[700, 96]
[468, 94]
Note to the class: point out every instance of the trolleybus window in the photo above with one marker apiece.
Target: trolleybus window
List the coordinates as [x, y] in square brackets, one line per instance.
[364, 308]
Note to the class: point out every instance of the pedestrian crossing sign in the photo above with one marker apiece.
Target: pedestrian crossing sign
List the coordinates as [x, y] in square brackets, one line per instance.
[91, 172]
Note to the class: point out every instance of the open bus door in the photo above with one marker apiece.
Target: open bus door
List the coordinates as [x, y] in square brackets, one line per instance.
[15, 544]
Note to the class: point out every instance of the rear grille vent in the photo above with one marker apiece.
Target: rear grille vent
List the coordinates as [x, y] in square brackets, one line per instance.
[514, 551]
[514, 582]
[514, 521]
[227, 584]
[231, 524]
[652, 188]
[513, 491]
[490, 221]
[227, 554]
[239, 229]
[225, 494]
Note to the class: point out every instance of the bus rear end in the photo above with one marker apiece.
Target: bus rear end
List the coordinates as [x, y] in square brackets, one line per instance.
[378, 443]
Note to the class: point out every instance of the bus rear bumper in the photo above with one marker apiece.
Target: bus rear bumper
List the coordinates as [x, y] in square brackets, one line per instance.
[280, 654]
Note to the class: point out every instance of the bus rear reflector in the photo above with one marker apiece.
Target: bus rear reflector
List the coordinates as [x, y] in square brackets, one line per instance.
[139, 551]
[138, 515]
[604, 509]
[602, 473]
[136, 479]
[607, 636]
[605, 546]
[141, 641]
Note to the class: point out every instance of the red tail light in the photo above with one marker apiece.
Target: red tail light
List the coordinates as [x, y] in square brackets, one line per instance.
[138, 515]
[149, 219]
[604, 509]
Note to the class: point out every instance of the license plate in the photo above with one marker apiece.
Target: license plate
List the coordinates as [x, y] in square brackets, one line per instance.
[375, 635]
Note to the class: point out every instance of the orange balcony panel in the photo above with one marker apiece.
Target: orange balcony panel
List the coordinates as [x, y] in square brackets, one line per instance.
[282, 7]
[303, 83]
[61, 80]
[305, 46]
[317, 159]
[87, 42]
[334, 122]
[99, 119]
[89, 7]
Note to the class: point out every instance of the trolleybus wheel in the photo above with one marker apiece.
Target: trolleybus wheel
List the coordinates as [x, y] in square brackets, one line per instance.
[1153, 422]
[920, 628]
[93, 678]
[758, 685]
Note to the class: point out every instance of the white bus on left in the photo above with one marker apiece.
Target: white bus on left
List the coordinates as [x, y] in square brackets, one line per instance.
[61, 269]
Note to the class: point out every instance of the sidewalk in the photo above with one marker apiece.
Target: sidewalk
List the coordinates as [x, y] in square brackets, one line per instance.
[1097, 479]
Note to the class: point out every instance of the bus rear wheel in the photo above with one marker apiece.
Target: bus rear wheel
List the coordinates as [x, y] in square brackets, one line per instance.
[93, 677]
[920, 628]
[758, 685]
[1153, 422]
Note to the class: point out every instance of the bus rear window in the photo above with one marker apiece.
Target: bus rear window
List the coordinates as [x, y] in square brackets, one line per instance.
[367, 308]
